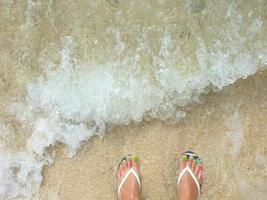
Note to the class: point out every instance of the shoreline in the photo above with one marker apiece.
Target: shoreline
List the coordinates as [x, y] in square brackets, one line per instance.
[221, 129]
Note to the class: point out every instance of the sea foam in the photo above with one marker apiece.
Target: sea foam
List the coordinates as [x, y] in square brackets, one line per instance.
[75, 100]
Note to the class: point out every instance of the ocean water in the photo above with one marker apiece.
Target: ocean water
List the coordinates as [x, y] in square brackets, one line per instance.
[74, 69]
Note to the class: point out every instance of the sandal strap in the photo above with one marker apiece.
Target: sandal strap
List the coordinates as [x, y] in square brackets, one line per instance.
[187, 169]
[131, 170]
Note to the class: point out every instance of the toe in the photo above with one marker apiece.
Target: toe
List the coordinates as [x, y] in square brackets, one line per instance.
[199, 172]
[190, 162]
[196, 171]
[194, 165]
[127, 164]
[119, 173]
[183, 162]
[120, 170]
[118, 176]
[135, 162]
[123, 168]
[201, 179]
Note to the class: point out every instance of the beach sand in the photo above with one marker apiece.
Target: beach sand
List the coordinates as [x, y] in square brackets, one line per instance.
[228, 129]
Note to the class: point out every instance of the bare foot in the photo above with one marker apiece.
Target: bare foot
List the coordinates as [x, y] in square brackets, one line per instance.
[187, 188]
[130, 189]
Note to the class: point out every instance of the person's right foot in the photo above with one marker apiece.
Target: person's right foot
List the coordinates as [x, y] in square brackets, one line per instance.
[187, 188]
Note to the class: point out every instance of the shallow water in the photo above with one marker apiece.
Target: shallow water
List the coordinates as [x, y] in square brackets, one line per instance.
[71, 70]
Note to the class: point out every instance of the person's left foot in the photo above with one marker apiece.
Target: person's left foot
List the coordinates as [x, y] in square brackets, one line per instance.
[130, 189]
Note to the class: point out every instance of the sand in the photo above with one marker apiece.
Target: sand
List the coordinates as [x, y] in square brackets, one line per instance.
[228, 129]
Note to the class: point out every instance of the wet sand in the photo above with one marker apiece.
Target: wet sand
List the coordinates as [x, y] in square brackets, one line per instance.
[228, 129]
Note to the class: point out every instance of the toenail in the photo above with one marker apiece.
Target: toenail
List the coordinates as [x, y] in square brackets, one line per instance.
[184, 158]
[191, 158]
[199, 162]
[135, 159]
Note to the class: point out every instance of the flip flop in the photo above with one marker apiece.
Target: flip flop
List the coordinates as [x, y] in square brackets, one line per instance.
[185, 156]
[130, 171]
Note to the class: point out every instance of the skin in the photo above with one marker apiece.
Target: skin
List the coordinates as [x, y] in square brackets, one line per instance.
[130, 189]
[186, 190]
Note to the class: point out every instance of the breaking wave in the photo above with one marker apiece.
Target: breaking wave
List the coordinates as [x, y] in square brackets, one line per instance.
[143, 66]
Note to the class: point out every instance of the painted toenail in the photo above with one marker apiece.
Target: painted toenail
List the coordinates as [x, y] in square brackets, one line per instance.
[191, 158]
[184, 158]
[135, 159]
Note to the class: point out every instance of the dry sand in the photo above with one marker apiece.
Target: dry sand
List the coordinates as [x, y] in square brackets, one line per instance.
[228, 129]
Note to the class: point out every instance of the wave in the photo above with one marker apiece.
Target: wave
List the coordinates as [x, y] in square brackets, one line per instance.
[146, 71]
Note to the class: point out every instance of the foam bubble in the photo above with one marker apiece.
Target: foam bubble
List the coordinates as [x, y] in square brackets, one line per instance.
[20, 175]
